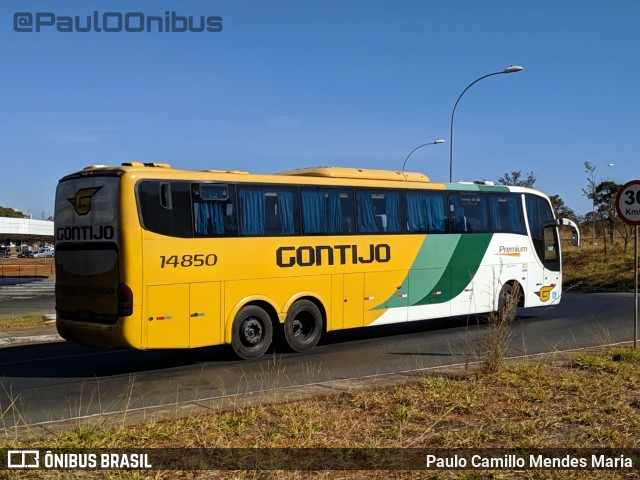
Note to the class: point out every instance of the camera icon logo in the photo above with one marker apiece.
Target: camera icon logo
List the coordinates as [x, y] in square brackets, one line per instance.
[23, 459]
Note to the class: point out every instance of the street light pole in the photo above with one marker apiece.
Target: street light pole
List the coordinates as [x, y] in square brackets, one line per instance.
[511, 69]
[435, 142]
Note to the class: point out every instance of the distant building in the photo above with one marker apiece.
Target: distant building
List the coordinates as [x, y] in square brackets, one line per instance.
[21, 230]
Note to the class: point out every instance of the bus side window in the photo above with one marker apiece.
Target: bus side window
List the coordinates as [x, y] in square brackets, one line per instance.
[165, 207]
[425, 212]
[379, 211]
[506, 214]
[283, 211]
[213, 210]
[267, 210]
[469, 212]
[327, 210]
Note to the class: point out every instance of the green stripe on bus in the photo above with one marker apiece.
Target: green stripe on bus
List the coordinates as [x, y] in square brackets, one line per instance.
[430, 280]
[466, 259]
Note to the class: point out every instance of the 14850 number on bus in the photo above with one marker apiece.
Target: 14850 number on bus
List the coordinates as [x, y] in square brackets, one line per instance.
[186, 261]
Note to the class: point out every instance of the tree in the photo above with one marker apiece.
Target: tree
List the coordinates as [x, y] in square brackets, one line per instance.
[626, 232]
[590, 170]
[597, 199]
[10, 212]
[604, 199]
[514, 178]
[561, 209]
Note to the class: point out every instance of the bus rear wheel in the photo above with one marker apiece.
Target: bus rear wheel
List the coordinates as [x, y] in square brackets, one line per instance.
[303, 326]
[251, 333]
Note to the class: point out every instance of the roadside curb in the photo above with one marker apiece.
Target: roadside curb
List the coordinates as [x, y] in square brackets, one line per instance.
[22, 340]
[45, 333]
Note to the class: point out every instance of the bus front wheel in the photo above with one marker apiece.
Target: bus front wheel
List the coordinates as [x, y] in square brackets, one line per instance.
[252, 332]
[508, 302]
[303, 326]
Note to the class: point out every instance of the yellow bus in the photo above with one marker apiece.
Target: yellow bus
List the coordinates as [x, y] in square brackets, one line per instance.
[151, 257]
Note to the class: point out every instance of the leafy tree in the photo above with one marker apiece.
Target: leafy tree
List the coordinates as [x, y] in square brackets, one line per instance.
[590, 170]
[599, 198]
[626, 232]
[515, 178]
[10, 212]
[561, 209]
[604, 199]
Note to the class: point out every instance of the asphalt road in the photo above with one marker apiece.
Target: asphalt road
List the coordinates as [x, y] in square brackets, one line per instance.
[26, 296]
[44, 383]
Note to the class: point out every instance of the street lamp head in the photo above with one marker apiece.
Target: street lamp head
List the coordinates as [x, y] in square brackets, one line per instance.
[437, 141]
[510, 69]
[608, 165]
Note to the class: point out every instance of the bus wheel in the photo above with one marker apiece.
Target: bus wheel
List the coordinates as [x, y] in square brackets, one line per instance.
[252, 332]
[508, 302]
[303, 326]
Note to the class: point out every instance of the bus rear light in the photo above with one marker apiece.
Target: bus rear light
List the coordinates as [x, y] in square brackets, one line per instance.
[125, 300]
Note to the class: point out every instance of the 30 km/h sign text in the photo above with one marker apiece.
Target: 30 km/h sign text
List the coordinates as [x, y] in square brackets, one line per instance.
[628, 202]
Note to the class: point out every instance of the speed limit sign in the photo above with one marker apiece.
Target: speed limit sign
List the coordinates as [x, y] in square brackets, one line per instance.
[628, 202]
[628, 208]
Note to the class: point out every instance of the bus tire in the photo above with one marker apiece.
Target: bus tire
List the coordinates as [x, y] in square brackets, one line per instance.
[251, 333]
[303, 326]
[508, 302]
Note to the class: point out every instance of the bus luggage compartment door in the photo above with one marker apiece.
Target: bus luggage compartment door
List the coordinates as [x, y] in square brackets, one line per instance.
[205, 317]
[183, 315]
[353, 300]
[167, 317]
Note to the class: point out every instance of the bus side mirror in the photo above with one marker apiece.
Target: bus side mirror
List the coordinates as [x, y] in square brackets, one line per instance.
[575, 231]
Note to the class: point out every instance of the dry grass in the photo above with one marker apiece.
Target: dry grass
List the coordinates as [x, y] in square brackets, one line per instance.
[496, 337]
[21, 321]
[591, 402]
[590, 267]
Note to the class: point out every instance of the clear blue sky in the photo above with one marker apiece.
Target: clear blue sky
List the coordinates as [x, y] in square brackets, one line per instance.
[290, 83]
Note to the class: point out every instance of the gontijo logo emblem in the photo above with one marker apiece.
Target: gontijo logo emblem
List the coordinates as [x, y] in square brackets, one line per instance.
[82, 201]
[545, 292]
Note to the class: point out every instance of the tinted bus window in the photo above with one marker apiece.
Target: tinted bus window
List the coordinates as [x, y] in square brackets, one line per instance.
[214, 210]
[268, 210]
[379, 211]
[506, 214]
[539, 213]
[469, 212]
[327, 210]
[544, 240]
[165, 207]
[426, 212]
